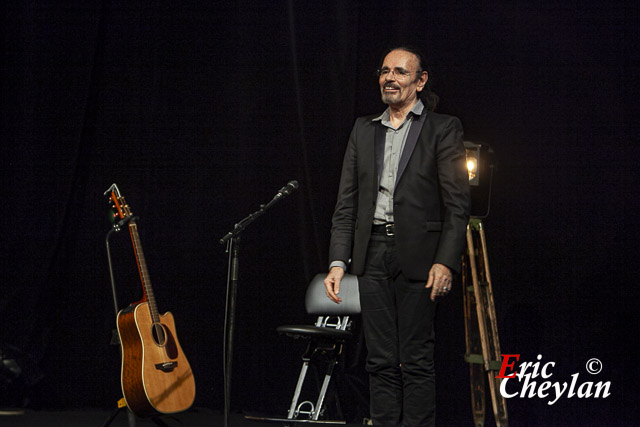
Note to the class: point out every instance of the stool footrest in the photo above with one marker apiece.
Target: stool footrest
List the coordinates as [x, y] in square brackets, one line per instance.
[287, 420]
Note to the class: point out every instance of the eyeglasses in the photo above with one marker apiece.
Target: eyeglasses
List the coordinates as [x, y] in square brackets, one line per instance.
[399, 73]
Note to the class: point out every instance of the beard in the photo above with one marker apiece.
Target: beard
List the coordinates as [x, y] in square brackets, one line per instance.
[390, 98]
[387, 99]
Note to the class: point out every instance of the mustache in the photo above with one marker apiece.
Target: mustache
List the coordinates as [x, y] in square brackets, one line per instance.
[390, 86]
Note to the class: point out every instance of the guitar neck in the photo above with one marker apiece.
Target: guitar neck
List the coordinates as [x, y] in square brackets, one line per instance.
[144, 273]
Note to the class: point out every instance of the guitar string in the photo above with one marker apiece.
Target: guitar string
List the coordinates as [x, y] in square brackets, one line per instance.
[146, 283]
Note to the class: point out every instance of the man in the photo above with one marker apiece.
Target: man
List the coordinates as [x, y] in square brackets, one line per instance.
[401, 217]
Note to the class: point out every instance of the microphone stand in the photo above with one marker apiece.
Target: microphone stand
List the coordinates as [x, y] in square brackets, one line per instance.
[232, 240]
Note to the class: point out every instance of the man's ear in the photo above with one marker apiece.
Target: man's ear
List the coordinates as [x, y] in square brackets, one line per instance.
[424, 78]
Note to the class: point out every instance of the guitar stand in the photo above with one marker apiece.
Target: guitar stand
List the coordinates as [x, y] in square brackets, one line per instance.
[115, 340]
[131, 418]
[481, 328]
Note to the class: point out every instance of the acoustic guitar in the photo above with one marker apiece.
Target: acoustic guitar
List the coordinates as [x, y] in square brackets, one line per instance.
[156, 376]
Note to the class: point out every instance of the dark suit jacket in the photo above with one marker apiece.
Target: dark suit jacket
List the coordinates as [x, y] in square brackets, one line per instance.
[431, 198]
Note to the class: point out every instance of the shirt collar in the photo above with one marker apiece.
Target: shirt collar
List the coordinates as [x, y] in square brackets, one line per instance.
[416, 110]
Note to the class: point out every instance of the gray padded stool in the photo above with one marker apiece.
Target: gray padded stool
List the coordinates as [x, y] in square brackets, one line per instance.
[325, 340]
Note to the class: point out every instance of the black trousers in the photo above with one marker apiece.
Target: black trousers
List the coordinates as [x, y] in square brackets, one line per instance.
[398, 317]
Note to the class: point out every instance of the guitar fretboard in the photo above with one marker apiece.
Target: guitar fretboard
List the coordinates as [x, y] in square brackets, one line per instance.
[144, 274]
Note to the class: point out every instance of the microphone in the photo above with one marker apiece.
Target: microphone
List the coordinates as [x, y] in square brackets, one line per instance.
[287, 190]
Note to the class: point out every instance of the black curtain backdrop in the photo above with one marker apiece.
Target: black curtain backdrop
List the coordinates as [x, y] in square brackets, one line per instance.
[201, 110]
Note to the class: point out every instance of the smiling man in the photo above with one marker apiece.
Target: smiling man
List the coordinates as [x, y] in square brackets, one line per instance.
[399, 224]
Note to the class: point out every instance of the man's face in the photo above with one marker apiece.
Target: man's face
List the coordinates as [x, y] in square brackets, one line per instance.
[399, 79]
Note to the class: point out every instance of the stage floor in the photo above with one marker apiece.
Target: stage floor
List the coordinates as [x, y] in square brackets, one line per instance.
[196, 417]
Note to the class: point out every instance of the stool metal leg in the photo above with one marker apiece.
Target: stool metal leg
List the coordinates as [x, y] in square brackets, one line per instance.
[323, 390]
[296, 394]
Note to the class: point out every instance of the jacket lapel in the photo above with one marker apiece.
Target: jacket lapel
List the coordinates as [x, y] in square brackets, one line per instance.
[409, 145]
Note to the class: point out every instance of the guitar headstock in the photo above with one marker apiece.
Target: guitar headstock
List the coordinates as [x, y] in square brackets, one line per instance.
[120, 208]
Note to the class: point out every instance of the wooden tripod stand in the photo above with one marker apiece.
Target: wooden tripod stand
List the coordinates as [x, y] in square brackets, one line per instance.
[481, 327]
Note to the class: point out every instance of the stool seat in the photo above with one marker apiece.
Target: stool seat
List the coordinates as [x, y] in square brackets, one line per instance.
[309, 331]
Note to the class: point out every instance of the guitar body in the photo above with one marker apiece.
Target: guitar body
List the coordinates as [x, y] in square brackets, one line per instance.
[156, 376]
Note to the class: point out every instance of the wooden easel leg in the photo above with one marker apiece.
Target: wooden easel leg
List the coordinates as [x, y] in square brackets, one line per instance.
[498, 401]
[481, 329]
[473, 353]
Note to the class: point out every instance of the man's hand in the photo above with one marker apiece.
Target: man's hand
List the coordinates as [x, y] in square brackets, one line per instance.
[332, 284]
[439, 280]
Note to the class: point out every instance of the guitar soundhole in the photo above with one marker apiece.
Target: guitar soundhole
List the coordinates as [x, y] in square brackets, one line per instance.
[159, 335]
[164, 338]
